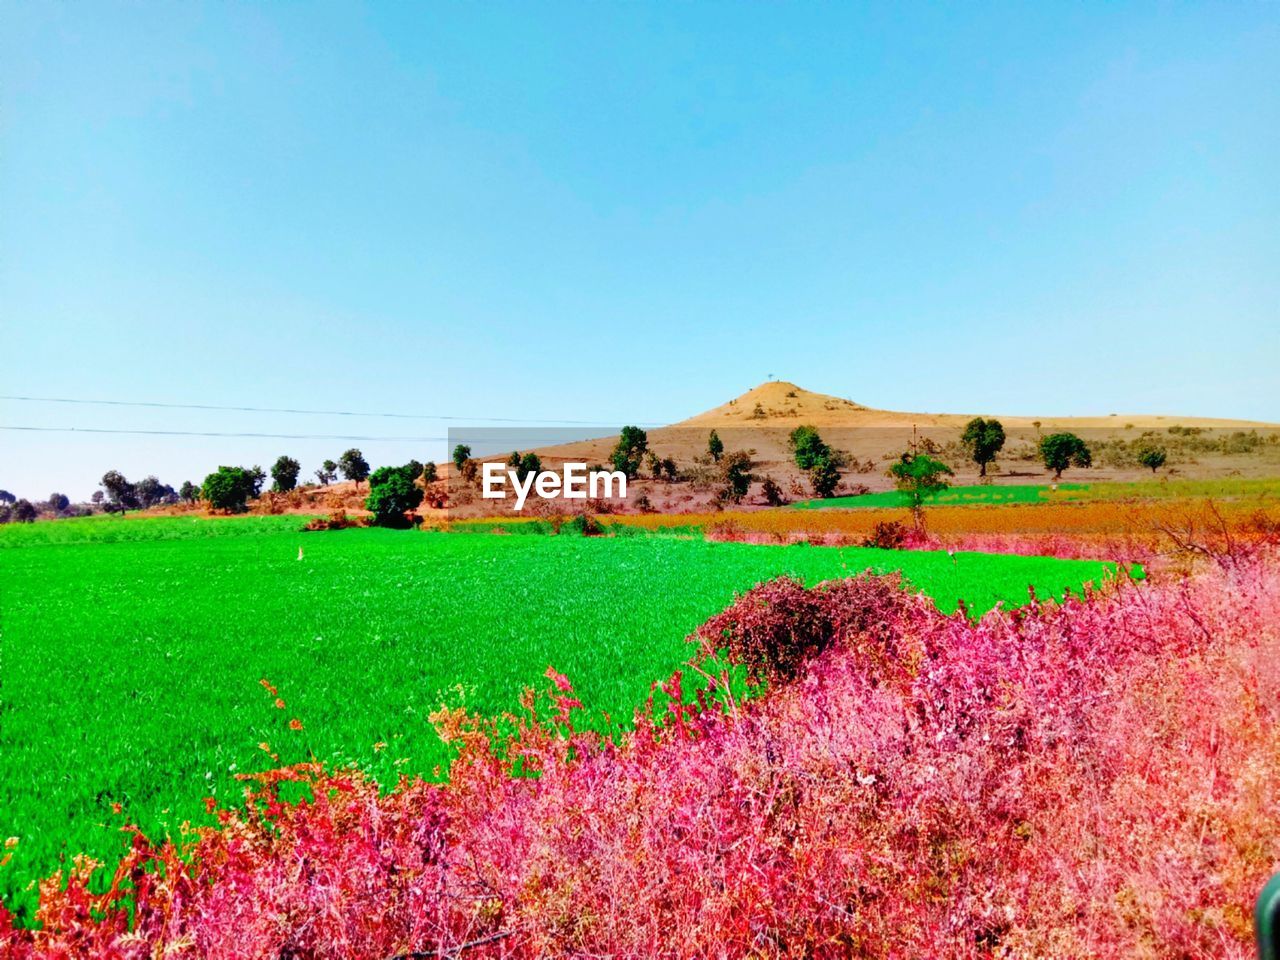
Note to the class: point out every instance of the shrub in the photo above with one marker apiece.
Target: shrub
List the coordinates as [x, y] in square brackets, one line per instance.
[773, 494]
[461, 454]
[582, 525]
[429, 472]
[24, 511]
[887, 535]
[228, 489]
[58, 502]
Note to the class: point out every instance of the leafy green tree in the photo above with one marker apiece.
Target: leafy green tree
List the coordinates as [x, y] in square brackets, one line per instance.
[808, 447]
[1152, 456]
[415, 469]
[529, 466]
[919, 475]
[461, 454]
[670, 469]
[7, 497]
[715, 446]
[24, 512]
[229, 489]
[1061, 450]
[627, 456]
[736, 467]
[513, 461]
[58, 502]
[327, 473]
[354, 466]
[151, 492]
[284, 474]
[825, 477]
[189, 492]
[121, 494]
[259, 477]
[430, 474]
[393, 495]
[985, 439]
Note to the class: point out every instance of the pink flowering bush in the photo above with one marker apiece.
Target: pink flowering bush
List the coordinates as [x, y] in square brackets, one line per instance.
[1098, 778]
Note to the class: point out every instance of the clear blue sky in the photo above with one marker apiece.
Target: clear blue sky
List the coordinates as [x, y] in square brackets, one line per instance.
[624, 212]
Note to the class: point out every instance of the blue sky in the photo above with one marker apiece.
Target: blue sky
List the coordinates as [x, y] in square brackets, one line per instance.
[624, 212]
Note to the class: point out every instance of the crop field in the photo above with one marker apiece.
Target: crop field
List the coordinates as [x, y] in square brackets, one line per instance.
[976, 495]
[133, 650]
[1267, 490]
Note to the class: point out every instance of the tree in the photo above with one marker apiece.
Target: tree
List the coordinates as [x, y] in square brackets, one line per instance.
[58, 502]
[259, 477]
[1061, 450]
[530, 466]
[229, 489]
[629, 453]
[461, 454]
[1152, 456]
[919, 475]
[354, 466]
[121, 494]
[429, 472]
[97, 497]
[985, 439]
[670, 469]
[284, 474]
[773, 494]
[737, 475]
[715, 446]
[824, 476]
[188, 492]
[392, 495]
[24, 512]
[151, 491]
[415, 469]
[7, 497]
[808, 448]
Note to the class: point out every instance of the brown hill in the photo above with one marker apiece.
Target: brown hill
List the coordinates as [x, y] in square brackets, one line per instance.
[762, 419]
[765, 405]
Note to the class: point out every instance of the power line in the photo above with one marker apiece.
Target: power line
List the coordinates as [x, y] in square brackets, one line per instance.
[276, 436]
[292, 410]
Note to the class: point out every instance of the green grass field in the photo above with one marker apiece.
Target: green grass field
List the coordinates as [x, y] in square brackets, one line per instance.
[956, 496]
[1231, 488]
[132, 649]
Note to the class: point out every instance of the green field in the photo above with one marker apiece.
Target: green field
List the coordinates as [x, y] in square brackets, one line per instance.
[956, 496]
[1229, 488]
[133, 649]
